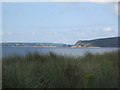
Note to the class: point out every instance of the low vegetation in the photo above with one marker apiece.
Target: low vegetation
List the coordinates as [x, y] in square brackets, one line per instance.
[54, 71]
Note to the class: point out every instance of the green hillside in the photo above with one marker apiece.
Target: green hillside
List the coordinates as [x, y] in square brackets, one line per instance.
[103, 42]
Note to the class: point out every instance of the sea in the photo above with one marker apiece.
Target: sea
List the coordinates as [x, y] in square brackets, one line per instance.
[65, 51]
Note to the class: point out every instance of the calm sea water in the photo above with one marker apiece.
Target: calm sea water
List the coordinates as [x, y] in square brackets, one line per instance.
[69, 51]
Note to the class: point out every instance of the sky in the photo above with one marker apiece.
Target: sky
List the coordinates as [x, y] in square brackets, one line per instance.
[58, 22]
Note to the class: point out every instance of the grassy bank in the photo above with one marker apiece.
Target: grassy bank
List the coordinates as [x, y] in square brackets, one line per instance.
[53, 71]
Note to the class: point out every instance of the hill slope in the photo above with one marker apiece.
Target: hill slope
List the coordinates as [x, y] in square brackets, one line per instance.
[103, 42]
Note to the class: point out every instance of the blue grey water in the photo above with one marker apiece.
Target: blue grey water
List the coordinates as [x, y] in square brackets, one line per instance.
[67, 51]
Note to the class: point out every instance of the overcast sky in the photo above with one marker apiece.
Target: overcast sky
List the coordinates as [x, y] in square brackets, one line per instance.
[58, 22]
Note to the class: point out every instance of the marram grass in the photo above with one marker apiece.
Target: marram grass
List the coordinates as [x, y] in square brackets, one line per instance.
[54, 71]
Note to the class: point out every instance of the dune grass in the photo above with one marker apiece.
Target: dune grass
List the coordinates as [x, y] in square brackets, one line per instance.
[54, 71]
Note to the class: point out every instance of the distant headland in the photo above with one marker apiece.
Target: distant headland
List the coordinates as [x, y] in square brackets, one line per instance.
[102, 42]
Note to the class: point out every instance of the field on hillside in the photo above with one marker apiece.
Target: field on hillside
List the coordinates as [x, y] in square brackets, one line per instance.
[53, 71]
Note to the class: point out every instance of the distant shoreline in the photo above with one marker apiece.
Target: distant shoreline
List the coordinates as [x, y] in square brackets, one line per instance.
[59, 46]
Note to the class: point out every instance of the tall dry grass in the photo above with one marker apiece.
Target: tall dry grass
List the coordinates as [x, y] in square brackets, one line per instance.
[54, 71]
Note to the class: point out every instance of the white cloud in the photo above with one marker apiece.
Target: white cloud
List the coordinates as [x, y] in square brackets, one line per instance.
[19, 12]
[6, 33]
[108, 29]
[1, 33]
[9, 33]
[33, 32]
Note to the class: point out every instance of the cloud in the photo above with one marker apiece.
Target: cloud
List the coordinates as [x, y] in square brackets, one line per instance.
[33, 32]
[6, 33]
[1, 33]
[108, 29]
[19, 12]
[9, 33]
